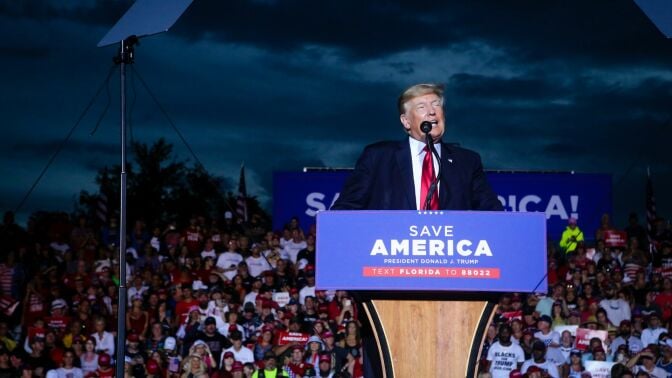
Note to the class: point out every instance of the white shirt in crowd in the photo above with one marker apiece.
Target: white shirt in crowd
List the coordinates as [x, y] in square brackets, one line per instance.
[293, 248]
[226, 260]
[504, 359]
[306, 291]
[104, 343]
[244, 355]
[617, 310]
[256, 265]
[547, 366]
[650, 335]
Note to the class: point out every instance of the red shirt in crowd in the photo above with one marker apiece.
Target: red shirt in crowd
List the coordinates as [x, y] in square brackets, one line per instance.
[192, 239]
[664, 300]
[59, 323]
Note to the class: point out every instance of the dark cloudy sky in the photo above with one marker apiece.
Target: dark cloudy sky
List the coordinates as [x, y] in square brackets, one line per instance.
[532, 85]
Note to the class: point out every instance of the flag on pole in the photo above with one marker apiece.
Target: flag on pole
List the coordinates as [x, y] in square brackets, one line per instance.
[101, 204]
[241, 203]
[650, 210]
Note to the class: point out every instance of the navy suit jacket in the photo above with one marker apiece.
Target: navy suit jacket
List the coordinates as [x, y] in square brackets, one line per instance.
[383, 180]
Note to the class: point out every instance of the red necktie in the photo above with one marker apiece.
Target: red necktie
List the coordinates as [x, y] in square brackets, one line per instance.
[427, 179]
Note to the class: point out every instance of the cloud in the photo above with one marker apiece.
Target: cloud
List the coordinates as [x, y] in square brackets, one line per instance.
[285, 84]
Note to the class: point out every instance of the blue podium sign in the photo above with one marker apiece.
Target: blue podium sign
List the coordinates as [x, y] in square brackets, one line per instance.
[431, 250]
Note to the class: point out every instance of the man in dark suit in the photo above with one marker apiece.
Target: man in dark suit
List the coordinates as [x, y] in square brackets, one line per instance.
[389, 175]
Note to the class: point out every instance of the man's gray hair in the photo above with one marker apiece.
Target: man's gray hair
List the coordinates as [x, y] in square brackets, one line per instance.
[418, 90]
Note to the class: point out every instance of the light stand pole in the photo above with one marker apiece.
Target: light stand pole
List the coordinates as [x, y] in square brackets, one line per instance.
[143, 18]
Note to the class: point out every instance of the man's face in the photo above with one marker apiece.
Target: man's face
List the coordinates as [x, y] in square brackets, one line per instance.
[625, 329]
[297, 355]
[505, 334]
[427, 107]
[269, 364]
[600, 356]
[654, 322]
[38, 345]
[538, 354]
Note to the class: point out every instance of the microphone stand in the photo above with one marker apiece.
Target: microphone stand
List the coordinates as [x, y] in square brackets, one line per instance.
[426, 127]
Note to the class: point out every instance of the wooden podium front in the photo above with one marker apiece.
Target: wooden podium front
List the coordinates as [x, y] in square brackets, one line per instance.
[428, 280]
[428, 338]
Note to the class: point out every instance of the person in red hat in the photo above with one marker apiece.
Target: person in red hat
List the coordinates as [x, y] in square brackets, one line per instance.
[329, 341]
[534, 372]
[133, 347]
[264, 343]
[325, 367]
[237, 370]
[296, 363]
[105, 368]
[153, 369]
[226, 368]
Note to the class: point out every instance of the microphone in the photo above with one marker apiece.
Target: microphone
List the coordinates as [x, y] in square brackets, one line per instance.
[426, 127]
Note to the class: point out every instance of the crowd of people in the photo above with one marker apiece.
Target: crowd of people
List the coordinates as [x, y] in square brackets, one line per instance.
[609, 301]
[223, 298]
[218, 298]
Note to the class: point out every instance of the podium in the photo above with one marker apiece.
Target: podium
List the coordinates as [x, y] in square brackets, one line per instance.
[428, 280]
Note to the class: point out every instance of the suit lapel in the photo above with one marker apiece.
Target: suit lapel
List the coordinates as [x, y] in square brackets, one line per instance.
[404, 163]
[446, 170]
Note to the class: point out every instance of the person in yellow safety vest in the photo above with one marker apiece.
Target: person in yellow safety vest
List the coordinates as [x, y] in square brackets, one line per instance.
[571, 237]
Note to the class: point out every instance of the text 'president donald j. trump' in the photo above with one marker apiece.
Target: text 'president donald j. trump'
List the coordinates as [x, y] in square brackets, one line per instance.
[398, 175]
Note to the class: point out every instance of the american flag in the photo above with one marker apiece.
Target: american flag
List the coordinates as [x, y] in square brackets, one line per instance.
[101, 204]
[241, 202]
[650, 210]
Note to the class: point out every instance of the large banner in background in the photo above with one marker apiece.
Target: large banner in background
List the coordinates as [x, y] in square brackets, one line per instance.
[558, 195]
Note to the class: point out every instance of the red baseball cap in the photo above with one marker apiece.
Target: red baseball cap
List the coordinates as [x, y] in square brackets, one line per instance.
[237, 366]
[534, 369]
[104, 359]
